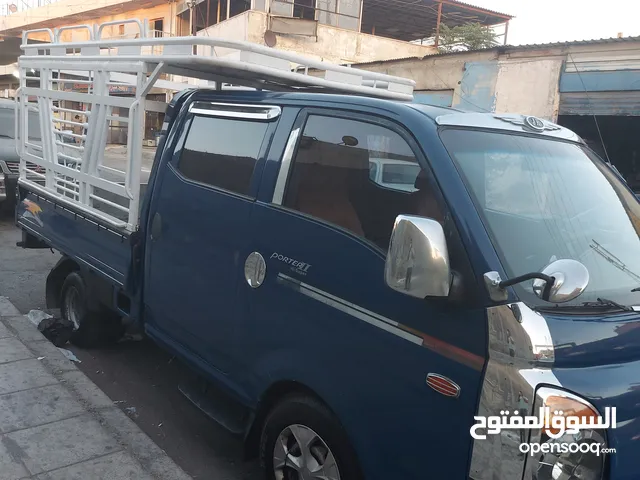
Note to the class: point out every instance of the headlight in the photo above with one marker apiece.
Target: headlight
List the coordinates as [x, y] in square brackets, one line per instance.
[575, 456]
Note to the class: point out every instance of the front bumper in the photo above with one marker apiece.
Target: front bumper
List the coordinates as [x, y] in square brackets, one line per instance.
[11, 188]
[5, 180]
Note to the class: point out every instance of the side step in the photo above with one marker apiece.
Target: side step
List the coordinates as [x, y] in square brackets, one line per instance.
[216, 404]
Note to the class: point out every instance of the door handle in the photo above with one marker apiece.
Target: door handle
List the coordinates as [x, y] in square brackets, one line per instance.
[156, 226]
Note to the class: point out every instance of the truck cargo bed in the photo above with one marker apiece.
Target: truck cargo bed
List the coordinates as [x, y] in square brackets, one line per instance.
[102, 248]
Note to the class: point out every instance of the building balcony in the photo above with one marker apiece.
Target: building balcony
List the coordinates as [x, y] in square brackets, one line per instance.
[312, 38]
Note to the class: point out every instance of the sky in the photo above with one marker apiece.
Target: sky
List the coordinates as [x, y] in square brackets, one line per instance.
[544, 21]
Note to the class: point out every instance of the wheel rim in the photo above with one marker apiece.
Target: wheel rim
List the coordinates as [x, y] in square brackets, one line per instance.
[301, 454]
[73, 306]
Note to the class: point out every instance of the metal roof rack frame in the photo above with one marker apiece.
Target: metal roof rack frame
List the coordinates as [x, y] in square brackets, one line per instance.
[69, 162]
[213, 60]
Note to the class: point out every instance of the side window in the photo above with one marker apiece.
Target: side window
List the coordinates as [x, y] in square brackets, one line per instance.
[222, 152]
[333, 178]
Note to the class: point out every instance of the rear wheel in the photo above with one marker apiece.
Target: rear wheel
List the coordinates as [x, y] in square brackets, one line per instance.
[303, 440]
[92, 327]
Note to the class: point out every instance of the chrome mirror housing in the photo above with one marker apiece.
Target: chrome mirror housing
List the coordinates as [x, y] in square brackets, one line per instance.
[570, 279]
[418, 260]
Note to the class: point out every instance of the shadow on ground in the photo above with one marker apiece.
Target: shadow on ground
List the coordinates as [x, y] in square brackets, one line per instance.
[139, 376]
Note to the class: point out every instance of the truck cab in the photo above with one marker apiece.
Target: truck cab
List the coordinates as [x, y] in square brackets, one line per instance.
[353, 326]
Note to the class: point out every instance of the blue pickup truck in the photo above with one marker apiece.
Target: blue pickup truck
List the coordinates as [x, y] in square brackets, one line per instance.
[348, 329]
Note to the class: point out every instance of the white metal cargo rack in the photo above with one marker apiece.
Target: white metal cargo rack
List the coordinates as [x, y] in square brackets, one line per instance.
[69, 161]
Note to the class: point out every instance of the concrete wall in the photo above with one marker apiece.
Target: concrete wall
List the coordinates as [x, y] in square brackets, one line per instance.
[437, 73]
[331, 44]
[530, 87]
[486, 80]
[346, 46]
[477, 92]
[163, 12]
[238, 28]
[522, 80]
[75, 11]
[130, 29]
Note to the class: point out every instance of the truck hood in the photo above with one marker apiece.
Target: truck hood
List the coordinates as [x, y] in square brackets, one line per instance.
[598, 358]
[584, 340]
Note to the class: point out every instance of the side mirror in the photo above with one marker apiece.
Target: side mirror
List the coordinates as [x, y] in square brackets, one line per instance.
[560, 281]
[418, 260]
[570, 280]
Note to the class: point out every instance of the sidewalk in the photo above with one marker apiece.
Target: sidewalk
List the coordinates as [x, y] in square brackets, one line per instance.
[55, 424]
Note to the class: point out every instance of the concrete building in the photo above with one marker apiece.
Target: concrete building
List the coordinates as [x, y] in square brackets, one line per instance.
[592, 87]
[339, 31]
[342, 31]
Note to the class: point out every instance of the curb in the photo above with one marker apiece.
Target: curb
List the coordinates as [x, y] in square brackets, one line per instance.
[129, 436]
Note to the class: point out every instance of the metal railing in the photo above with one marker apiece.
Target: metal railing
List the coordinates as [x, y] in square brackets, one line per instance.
[72, 151]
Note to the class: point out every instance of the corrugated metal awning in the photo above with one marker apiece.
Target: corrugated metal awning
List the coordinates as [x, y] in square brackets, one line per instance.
[600, 103]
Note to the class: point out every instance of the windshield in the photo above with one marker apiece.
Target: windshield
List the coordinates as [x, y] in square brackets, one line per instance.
[543, 200]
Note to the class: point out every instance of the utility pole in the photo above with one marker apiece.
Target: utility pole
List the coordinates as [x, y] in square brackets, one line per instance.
[191, 4]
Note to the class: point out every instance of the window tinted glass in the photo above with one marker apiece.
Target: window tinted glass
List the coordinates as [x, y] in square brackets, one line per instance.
[404, 173]
[373, 170]
[331, 178]
[222, 152]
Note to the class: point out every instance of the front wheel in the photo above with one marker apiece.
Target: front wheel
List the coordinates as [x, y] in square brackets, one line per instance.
[302, 440]
[92, 328]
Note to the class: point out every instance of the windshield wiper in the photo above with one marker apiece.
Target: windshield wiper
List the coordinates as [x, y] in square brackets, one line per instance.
[600, 303]
[605, 302]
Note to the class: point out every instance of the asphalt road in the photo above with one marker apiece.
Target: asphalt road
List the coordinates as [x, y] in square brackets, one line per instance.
[140, 377]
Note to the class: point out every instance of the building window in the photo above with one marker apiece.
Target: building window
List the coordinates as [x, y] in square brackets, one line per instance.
[349, 11]
[327, 12]
[260, 5]
[281, 7]
[333, 178]
[304, 9]
[157, 26]
[239, 6]
[222, 152]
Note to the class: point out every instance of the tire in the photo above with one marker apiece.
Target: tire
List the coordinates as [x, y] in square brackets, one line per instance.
[93, 328]
[304, 412]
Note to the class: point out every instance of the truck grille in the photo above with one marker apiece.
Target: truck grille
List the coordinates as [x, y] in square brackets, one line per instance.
[15, 167]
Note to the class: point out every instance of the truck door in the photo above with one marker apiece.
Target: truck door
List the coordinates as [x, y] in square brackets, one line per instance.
[199, 221]
[322, 315]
